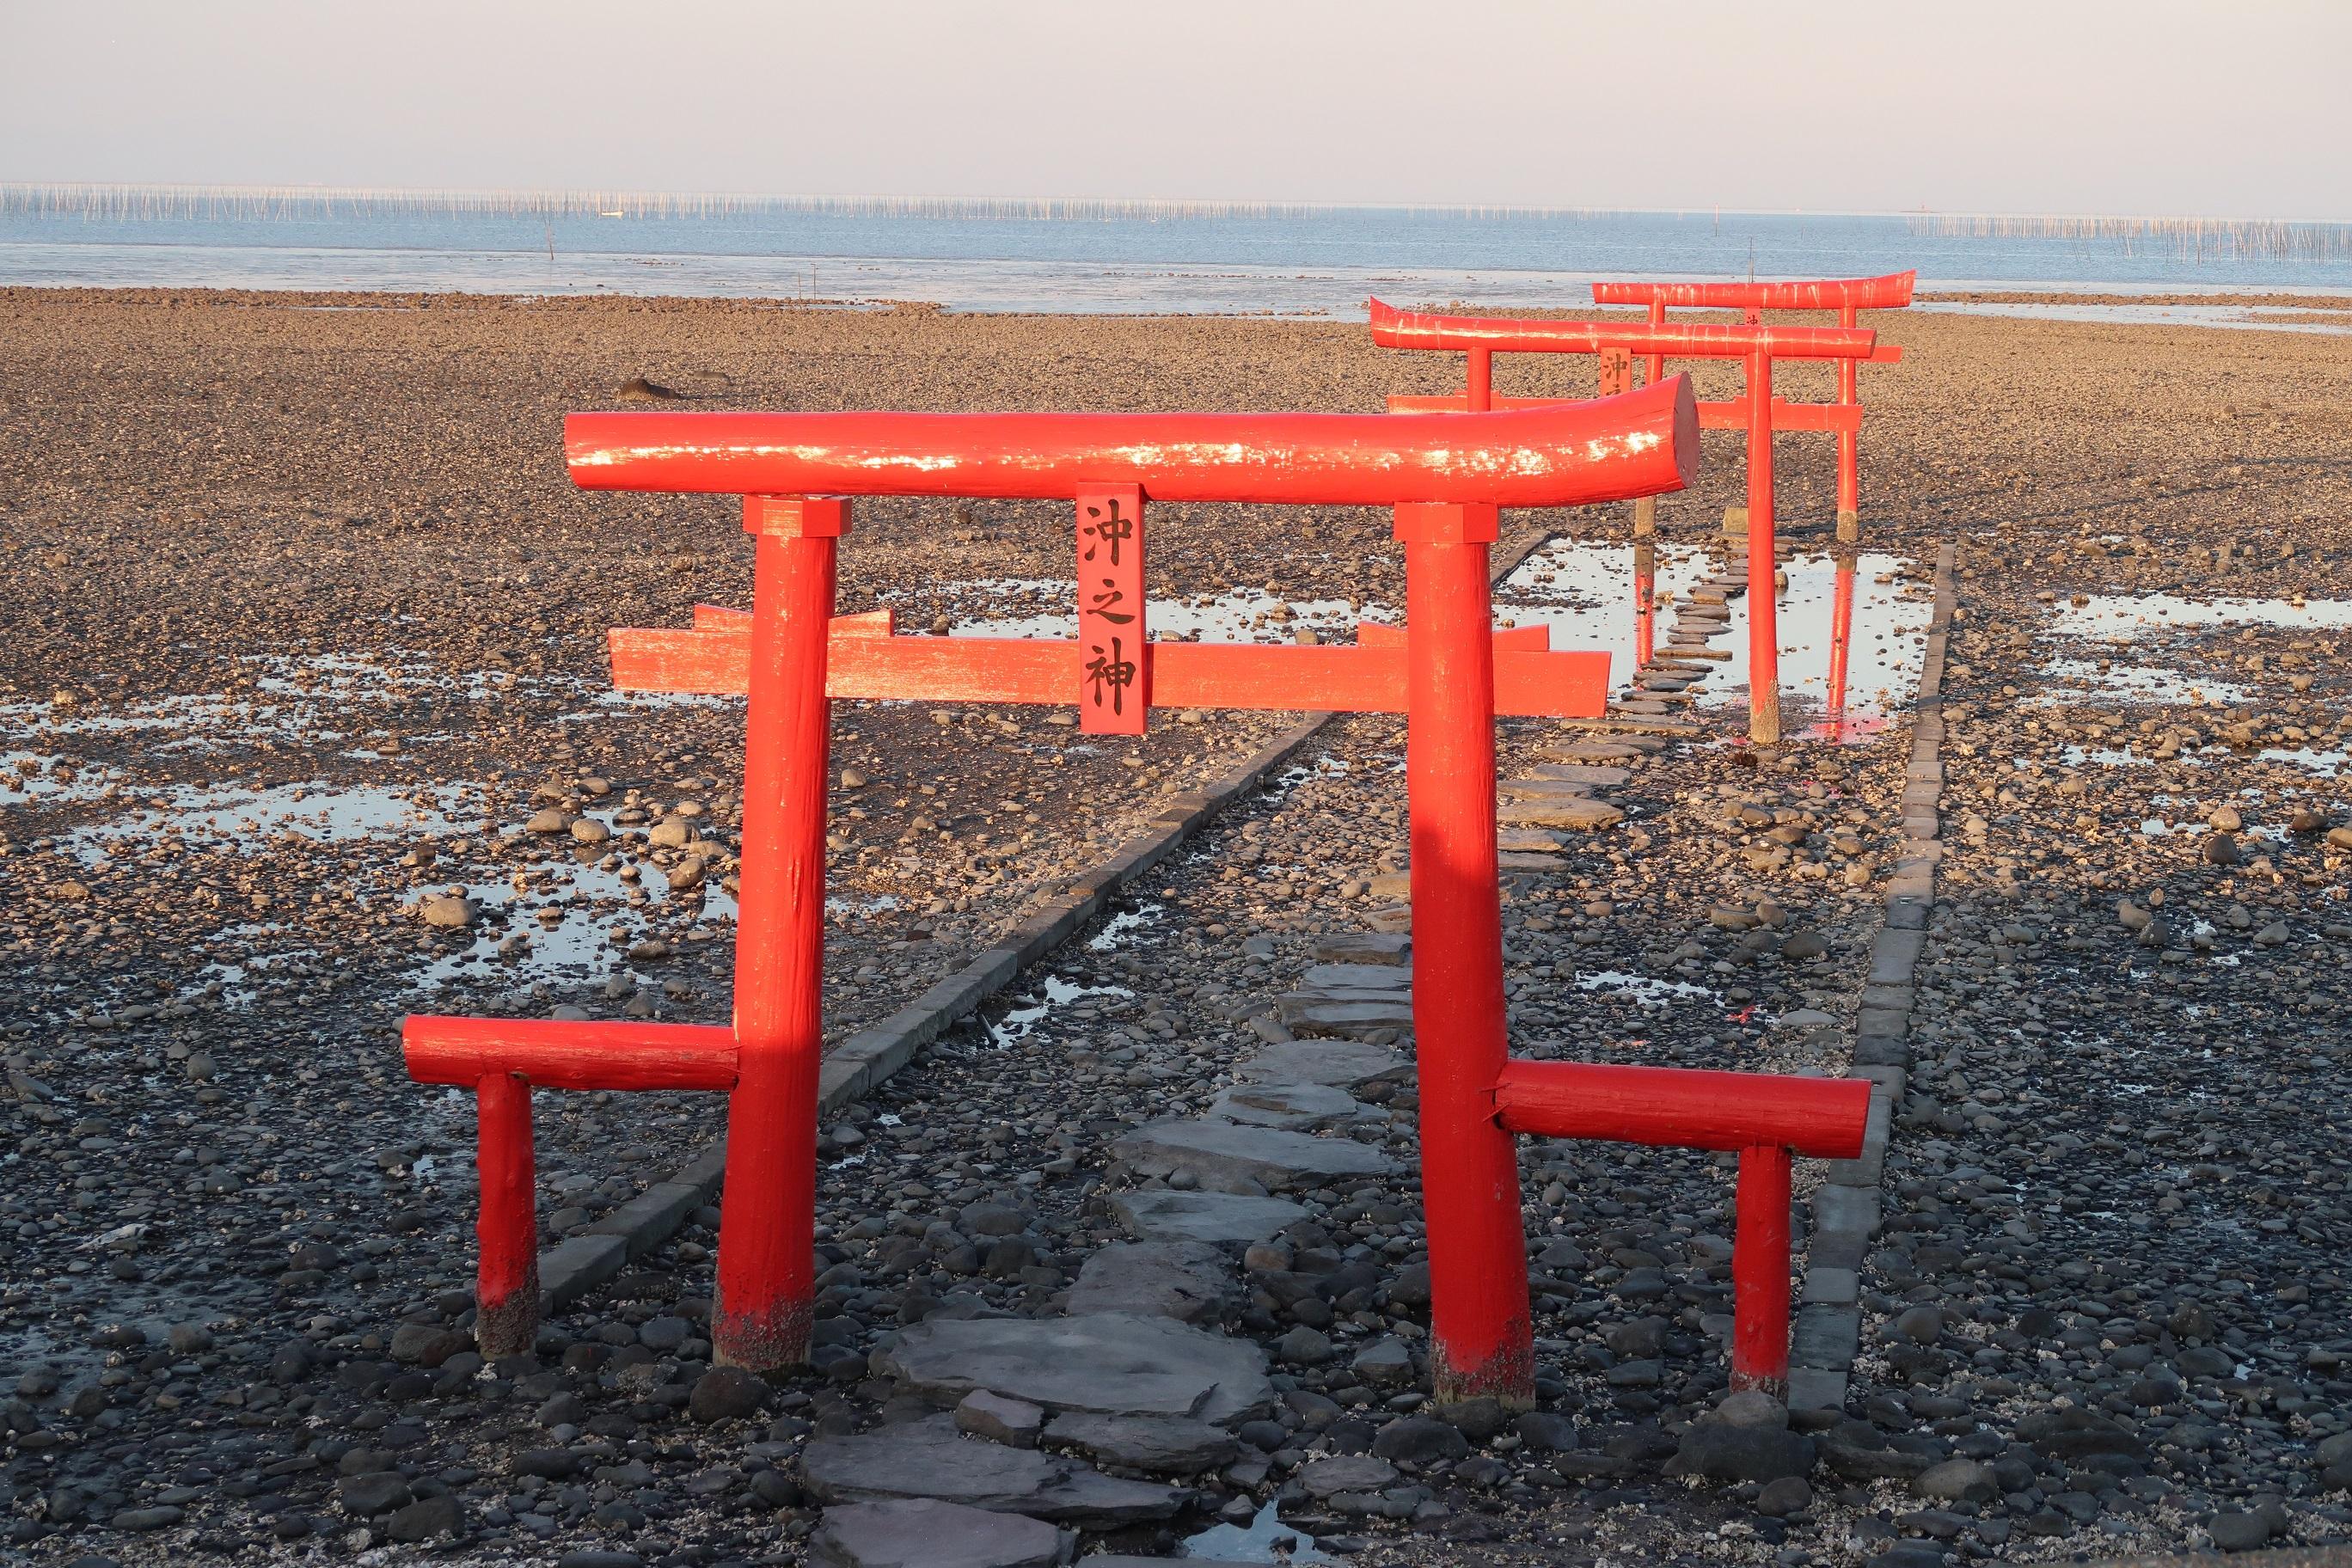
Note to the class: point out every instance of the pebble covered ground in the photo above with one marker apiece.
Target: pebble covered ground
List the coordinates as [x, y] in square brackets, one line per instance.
[306, 728]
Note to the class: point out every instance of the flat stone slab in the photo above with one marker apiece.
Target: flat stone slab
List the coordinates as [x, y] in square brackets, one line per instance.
[1229, 1157]
[1343, 1064]
[1190, 1282]
[1156, 1445]
[1357, 976]
[1363, 947]
[1547, 862]
[924, 1532]
[1577, 752]
[1292, 1107]
[1583, 773]
[1530, 841]
[1539, 788]
[1558, 811]
[1109, 1364]
[1222, 1219]
[1347, 1017]
[930, 1458]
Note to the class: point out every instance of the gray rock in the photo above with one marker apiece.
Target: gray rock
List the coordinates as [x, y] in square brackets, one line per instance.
[427, 1518]
[427, 1344]
[1545, 1432]
[379, 1491]
[1780, 1499]
[1386, 1362]
[1720, 1451]
[1347, 1473]
[1225, 1219]
[1419, 1439]
[1956, 1481]
[1111, 1362]
[1228, 1157]
[726, 1394]
[1015, 1423]
[1303, 1346]
[1920, 1325]
[928, 1458]
[2333, 1460]
[1342, 1064]
[2234, 1532]
[926, 1533]
[1156, 1445]
[136, 1519]
[1190, 1282]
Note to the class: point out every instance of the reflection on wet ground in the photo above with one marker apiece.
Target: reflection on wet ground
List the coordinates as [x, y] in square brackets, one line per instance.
[1586, 593]
[2244, 318]
[2162, 651]
[229, 815]
[1589, 593]
[1245, 615]
[577, 919]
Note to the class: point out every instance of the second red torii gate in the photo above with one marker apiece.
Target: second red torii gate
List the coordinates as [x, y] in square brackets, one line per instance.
[1446, 477]
[1758, 412]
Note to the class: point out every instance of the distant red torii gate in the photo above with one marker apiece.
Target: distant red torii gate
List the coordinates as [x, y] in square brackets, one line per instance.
[1481, 338]
[1445, 475]
[1845, 295]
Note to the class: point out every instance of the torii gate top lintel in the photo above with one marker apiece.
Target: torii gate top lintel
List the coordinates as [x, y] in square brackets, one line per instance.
[1641, 443]
[1890, 292]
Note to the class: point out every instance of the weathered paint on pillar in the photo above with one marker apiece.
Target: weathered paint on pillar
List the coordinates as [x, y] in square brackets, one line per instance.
[1760, 1272]
[766, 1243]
[1763, 604]
[505, 1280]
[1481, 1335]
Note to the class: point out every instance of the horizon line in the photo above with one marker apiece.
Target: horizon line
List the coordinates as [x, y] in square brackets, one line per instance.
[567, 194]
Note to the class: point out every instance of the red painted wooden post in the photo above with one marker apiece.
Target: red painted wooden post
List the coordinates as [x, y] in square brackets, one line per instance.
[1841, 643]
[1114, 696]
[1481, 1335]
[1848, 473]
[1763, 619]
[1645, 599]
[1645, 509]
[506, 1277]
[764, 1308]
[1760, 1272]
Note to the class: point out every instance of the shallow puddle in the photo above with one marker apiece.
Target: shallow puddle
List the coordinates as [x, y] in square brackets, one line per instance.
[1245, 615]
[2132, 616]
[2135, 683]
[246, 819]
[1586, 592]
[1057, 993]
[48, 777]
[601, 915]
[2243, 318]
[1645, 989]
[1266, 1539]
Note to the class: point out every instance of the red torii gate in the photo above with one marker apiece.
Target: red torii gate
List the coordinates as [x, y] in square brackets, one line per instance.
[1845, 295]
[1758, 412]
[1445, 476]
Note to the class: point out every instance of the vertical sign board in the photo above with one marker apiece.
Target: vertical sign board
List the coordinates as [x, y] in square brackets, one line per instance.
[1113, 678]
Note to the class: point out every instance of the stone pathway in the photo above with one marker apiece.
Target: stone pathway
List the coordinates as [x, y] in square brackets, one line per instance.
[1092, 1421]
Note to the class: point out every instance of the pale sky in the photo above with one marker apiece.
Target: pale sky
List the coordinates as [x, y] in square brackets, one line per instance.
[2155, 106]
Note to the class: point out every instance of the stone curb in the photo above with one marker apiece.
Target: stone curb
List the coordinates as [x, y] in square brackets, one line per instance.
[1827, 1335]
[578, 1264]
